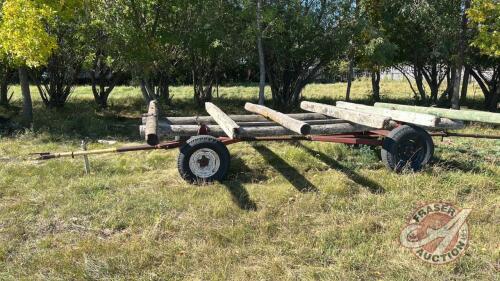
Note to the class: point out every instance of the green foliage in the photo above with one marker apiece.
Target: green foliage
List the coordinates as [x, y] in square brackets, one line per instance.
[23, 24]
[300, 39]
[484, 16]
[210, 34]
[23, 28]
[424, 31]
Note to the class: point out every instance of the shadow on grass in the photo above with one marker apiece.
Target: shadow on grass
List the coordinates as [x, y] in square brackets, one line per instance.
[81, 119]
[242, 173]
[291, 174]
[449, 164]
[240, 195]
[235, 186]
[370, 185]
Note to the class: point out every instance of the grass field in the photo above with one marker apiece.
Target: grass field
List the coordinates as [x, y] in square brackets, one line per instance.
[288, 211]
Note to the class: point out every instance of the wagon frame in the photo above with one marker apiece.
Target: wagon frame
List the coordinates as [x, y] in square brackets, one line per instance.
[405, 136]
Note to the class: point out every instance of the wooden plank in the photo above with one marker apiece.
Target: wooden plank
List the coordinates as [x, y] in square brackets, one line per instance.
[464, 115]
[362, 118]
[294, 125]
[151, 130]
[420, 119]
[225, 122]
[217, 131]
[194, 120]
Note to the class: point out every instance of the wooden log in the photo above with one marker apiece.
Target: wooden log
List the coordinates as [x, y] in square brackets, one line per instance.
[427, 121]
[151, 130]
[272, 123]
[420, 119]
[464, 115]
[284, 120]
[214, 130]
[223, 120]
[268, 123]
[447, 124]
[362, 118]
[195, 120]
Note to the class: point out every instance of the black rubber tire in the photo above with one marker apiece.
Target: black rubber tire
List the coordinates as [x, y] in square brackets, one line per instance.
[196, 143]
[407, 147]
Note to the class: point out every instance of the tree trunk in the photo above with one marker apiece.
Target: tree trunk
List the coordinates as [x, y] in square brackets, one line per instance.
[451, 82]
[420, 84]
[465, 85]
[376, 85]
[350, 74]
[146, 90]
[25, 90]
[262, 62]
[489, 86]
[462, 41]
[203, 81]
[433, 85]
[494, 105]
[163, 89]
[101, 89]
[4, 88]
[103, 80]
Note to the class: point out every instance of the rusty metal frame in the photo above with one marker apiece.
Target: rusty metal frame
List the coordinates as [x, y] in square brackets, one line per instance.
[371, 138]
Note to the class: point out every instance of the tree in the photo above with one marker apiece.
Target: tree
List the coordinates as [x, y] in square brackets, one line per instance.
[425, 33]
[459, 61]
[260, 47]
[376, 52]
[55, 81]
[303, 37]
[486, 71]
[210, 35]
[356, 24]
[142, 32]
[5, 75]
[25, 39]
[485, 18]
[104, 58]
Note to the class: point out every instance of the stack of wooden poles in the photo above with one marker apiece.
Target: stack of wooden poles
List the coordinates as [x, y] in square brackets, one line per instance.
[323, 119]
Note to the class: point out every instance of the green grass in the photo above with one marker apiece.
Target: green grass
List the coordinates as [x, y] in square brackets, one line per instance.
[299, 211]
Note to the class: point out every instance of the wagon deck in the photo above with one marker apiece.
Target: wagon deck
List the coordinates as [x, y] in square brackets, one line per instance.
[405, 135]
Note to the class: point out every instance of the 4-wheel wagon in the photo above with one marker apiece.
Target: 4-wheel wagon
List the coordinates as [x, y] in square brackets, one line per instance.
[404, 133]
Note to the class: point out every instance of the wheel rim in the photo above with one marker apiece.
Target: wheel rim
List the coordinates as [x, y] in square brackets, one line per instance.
[411, 151]
[204, 163]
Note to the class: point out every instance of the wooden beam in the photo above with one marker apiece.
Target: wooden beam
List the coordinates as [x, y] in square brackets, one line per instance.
[151, 130]
[217, 131]
[294, 125]
[195, 120]
[362, 118]
[420, 119]
[465, 115]
[225, 122]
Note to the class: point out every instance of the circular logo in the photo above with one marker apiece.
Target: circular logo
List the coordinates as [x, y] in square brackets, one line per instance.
[437, 233]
